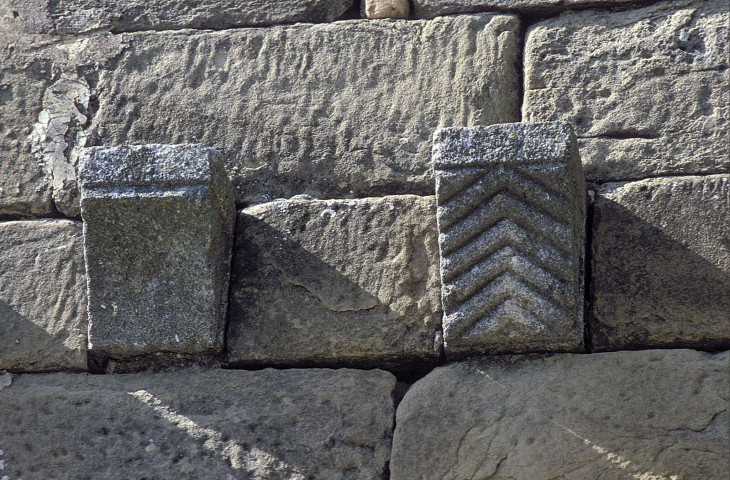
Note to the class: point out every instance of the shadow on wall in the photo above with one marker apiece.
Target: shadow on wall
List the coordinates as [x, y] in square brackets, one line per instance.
[350, 293]
[649, 289]
[26, 346]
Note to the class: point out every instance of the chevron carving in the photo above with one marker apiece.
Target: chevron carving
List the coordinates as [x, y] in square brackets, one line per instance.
[511, 212]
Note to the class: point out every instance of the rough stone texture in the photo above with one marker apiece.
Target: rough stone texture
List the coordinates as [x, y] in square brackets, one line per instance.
[433, 8]
[217, 424]
[657, 414]
[42, 296]
[158, 234]
[374, 9]
[336, 282]
[511, 218]
[661, 264]
[648, 89]
[334, 110]
[81, 16]
[44, 110]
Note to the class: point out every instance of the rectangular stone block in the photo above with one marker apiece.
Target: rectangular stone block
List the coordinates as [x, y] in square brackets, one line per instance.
[45, 112]
[656, 414]
[336, 282]
[206, 424]
[81, 16]
[648, 90]
[43, 317]
[337, 110]
[433, 8]
[511, 218]
[661, 264]
[158, 234]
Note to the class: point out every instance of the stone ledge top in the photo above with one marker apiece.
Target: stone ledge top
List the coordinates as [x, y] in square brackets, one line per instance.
[139, 165]
[509, 143]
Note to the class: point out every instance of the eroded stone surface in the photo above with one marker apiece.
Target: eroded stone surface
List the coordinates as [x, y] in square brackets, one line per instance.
[224, 424]
[44, 112]
[433, 8]
[336, 282]
[511, 215]
[81, 16]
[374, 9]
[43, 318]
[158, 234]
[334, 110]
[648, 90]
[661, 264]
[656, 414]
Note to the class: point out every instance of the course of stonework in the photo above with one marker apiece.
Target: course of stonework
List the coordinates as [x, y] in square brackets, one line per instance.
[365, 239]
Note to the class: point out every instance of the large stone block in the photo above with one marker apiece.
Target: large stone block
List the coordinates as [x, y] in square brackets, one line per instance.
[43, 318]
[511, 218]
[334, 110]
[158, 234]
[81, 16]
[433, 8]
[45, 105]
[336, 282]
[648, 89]
[658, 414]
[661, 264]
[217, 424]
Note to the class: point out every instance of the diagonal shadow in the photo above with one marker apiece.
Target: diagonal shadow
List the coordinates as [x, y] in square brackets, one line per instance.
[650, 290]
[298, 306]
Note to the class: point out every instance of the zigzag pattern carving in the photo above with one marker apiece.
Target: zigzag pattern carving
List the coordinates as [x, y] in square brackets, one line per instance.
[509, 236]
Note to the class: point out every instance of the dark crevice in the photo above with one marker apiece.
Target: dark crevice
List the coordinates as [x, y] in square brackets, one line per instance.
[714, 171]
[588, 270]
[625, 135]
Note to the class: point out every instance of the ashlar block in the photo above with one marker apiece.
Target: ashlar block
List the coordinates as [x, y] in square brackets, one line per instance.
[511, 217]
[158, 233]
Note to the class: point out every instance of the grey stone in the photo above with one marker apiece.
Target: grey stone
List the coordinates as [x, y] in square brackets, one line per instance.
[648, 90]
[44, 107]
[657, 414]
[158, 234]
[335, 110]
[43, 318]
[433, 8]
[661, 264]
[81, 16]
[511, 218]
[336, 282]
[217, 424]
[375, 9]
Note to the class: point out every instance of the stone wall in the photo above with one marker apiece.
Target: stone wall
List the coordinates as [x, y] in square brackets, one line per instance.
[148, 330]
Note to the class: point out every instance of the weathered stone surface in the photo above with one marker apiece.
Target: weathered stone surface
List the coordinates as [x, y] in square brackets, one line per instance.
[658, 414]
[648, 90]
[374, 9]
[433, 8]
[661, 264]
[42, 296]
[511, 218]
[44, 110]
[80, 16]
[336, 282]
[334, 110]
[158, 234]
[218, 424]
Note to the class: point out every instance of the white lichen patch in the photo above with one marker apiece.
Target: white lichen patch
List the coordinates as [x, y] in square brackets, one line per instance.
[5, 380]
[59, 134]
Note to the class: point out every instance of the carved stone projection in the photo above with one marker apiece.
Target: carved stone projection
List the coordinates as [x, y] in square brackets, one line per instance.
[158, 232]
[511, 213]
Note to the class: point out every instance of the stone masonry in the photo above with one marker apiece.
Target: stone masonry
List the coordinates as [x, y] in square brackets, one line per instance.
[158, 227]
[298, 297]
[364, 239]
[511, 219]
